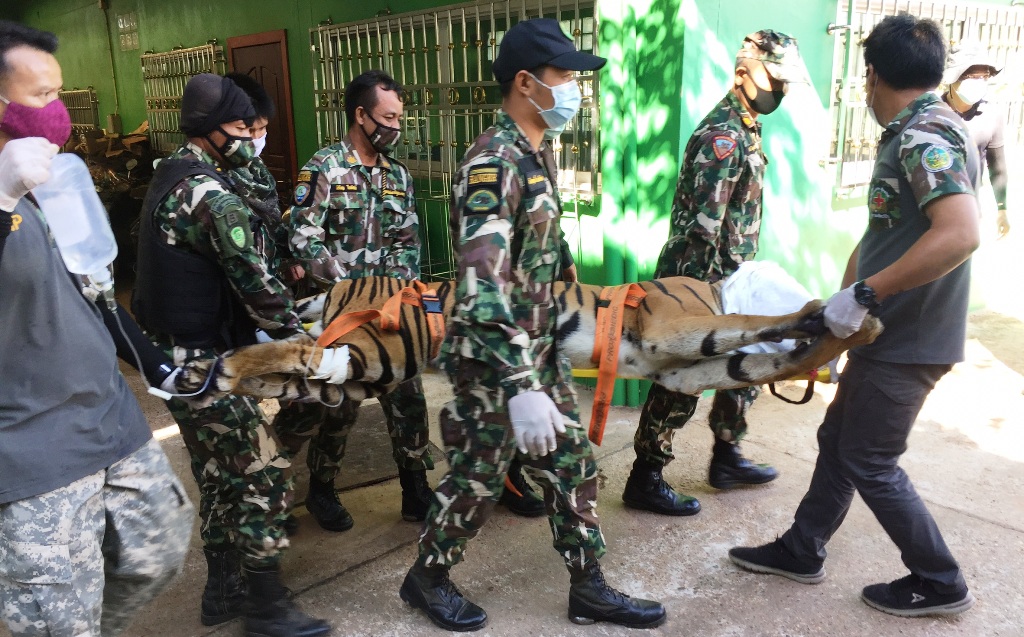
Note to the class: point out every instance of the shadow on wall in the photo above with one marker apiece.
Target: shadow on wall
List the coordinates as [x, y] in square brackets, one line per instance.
[671, 61]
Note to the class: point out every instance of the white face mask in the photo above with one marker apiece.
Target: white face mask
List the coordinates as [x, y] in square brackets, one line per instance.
[871, 104]
[260, 143]
[972, 90]
[568, 100]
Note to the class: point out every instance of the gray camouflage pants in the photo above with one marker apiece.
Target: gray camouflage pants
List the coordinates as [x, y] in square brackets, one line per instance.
[99, 548]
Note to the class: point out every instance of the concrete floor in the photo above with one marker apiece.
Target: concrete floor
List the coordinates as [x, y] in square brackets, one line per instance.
[966, 458]
[966, 455]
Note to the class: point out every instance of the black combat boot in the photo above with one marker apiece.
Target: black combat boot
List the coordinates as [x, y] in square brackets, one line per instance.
[648, 491]
[429, 589]
[416, 494]
[323, 504]
[291, 525]
[518, 496]
[224, 595]
[269, 612]
[592, 600]
[730, 469]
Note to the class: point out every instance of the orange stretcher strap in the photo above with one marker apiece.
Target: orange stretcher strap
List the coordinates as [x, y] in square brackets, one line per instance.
[416, 294]
[607, 339]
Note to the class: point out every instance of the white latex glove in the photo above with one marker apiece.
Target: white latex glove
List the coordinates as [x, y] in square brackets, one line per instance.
[843, 314]
[24, 164]
[534, 421]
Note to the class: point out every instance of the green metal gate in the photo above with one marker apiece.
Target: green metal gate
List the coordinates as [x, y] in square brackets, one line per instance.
[854, 134]
[442, 57]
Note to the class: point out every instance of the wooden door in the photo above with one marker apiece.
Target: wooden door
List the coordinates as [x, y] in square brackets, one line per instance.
[264, 57]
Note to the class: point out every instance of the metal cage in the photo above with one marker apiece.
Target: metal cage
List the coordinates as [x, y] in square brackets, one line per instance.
[83, 107]
[164, 76]
[442, 57]
[854, 133]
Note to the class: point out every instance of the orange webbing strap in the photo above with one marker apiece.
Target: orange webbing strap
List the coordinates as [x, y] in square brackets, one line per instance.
[607, 338]
[345, 324]
[416, 293]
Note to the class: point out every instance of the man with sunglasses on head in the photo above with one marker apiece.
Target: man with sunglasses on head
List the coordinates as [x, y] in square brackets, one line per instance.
[716, 219]
[969, 69]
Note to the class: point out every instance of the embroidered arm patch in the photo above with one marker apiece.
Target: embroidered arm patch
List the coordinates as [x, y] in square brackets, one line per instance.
[483, 190]
[232, 225]
[723, 146]
[305, 186]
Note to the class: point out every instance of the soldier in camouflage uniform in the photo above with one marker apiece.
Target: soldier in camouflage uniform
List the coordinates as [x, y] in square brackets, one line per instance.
[912, 270]
[354, 215]
[716, 217]
[512, 389]
[195, 222]
[93, 521]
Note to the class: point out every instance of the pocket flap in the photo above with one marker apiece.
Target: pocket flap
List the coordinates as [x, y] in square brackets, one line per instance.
[31, 563]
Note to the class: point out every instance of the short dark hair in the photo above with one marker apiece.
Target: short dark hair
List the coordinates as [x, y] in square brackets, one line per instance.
[261, 100]
[361, 92]
[14, 34]
[907, 52]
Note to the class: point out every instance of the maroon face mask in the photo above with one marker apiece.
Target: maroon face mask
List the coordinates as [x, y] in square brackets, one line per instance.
[51, 121]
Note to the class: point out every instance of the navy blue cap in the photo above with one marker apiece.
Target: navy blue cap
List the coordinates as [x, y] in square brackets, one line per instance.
[532, 43]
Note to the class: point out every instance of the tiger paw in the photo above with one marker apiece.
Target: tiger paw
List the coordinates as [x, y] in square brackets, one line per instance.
[205, 378]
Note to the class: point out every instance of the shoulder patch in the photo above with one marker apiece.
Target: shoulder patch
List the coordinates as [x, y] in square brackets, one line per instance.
[483, 189]
[484, 175]
[723, 146]
[231, 223]
[936, 159]
[305, 186]
[480, 200]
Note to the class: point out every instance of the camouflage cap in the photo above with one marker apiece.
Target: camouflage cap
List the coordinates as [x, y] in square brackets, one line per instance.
[779, 54]
[965, 54]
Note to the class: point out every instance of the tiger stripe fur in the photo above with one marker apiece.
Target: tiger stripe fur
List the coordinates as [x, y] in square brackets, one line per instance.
[678, 337]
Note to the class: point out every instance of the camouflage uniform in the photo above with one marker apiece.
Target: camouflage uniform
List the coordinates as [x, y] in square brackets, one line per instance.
[349, 221]
[716, 218]
[505, 211]
[245, 483]
[258, 188]
[97, 549]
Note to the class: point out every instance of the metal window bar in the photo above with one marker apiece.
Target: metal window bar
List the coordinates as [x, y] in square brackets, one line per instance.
[442, 57]
[83, 107]
[855, 135]
[164, 76]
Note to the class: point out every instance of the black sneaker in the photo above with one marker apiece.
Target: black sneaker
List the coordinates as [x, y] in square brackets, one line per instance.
[775, 559]
[912, 596]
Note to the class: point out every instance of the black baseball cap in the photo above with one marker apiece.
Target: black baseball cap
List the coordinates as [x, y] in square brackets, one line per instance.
[532, 43]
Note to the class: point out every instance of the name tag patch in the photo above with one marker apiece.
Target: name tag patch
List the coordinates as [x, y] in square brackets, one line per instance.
[344, 188]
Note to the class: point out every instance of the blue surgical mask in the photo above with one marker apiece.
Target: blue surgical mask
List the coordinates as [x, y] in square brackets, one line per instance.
[567, 103]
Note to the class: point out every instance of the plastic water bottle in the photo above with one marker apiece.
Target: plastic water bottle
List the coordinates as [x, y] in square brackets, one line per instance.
[78, 220]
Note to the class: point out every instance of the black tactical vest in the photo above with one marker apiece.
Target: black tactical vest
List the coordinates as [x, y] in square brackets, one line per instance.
[178, 293]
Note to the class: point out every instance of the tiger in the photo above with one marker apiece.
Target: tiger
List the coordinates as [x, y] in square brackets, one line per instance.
[677, 337]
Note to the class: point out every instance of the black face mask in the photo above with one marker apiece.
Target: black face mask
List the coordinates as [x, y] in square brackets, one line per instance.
[765, 102]
[383, 138]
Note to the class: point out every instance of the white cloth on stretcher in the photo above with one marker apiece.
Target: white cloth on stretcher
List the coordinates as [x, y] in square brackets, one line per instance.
[763, 288]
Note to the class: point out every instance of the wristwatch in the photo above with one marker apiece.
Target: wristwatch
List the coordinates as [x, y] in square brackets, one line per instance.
[865, 295]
